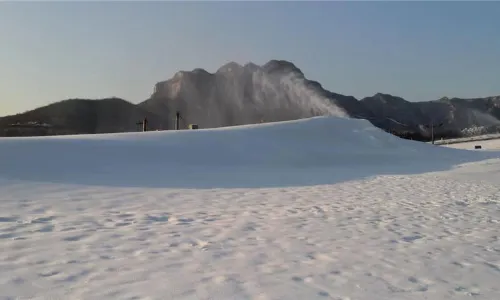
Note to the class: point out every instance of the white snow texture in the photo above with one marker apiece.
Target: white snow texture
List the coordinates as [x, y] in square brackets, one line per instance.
[320, 208]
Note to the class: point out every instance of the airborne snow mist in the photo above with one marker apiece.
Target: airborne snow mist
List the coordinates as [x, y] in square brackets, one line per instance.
[238, 95]
[289, 91]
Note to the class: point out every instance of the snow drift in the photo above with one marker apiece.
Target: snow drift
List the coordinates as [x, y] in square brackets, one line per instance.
[318, 150]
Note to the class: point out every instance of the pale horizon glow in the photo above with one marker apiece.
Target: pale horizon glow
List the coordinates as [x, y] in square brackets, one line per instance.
[416, 50]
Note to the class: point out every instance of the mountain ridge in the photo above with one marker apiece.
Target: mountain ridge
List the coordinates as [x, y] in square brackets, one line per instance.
[278, 90]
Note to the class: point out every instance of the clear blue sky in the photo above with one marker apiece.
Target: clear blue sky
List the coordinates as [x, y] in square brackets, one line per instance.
[417, 50]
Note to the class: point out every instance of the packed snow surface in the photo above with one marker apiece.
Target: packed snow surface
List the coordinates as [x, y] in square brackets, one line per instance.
[488, 145]
[321, 208]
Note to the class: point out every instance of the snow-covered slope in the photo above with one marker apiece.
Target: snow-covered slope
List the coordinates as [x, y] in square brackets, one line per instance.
[308, 151]
[295, 210]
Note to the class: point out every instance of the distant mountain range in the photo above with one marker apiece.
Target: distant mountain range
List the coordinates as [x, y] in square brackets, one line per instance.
[236, 95]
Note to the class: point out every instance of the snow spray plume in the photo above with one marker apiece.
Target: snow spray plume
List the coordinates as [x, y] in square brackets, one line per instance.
[483, 123]
[484, 119]
[289, 91]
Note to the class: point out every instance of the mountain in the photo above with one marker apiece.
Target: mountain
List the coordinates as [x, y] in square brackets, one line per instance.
[243, 94]
[236, 95]
[450, 116]
[78, 116]
[279, 91]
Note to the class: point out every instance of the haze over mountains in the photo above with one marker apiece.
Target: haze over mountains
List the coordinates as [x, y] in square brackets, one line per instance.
[237, 95]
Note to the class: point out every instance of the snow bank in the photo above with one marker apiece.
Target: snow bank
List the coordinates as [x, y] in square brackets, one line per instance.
[318, 150]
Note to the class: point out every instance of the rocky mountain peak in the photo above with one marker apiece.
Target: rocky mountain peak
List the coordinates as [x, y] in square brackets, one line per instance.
[281, 66]
[230, 67]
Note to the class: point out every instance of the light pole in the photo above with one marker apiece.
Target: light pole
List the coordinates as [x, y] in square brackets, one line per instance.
[144, 124]
[177, 119]
[432, 126]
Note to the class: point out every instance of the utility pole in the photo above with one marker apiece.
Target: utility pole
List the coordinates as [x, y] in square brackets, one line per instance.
[432, 133]
[144, 124]
[177, 118]
[431, 126]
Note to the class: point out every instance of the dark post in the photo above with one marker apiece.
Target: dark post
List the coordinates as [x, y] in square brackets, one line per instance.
[432, 130]
[432, 133]
[177, 117]
[145, 124]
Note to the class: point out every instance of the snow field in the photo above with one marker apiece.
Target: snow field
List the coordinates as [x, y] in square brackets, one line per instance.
[391, 237]
[324, 208]
[493, 144]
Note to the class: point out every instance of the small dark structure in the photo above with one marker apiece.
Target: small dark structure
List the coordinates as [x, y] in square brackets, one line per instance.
[144, 124]
[193, 126]
[477, 147]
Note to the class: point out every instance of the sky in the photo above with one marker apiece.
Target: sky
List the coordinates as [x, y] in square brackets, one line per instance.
[416, 50]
